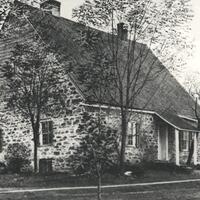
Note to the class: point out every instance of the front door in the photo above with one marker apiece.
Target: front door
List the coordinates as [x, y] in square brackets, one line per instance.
[163, 143]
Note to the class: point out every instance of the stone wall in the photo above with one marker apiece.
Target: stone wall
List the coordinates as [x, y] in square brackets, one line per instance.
[148, 136]
[198, 148]
[16, 129]
[148, 139]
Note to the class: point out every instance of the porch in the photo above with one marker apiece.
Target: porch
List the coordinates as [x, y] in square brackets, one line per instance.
[176, 144]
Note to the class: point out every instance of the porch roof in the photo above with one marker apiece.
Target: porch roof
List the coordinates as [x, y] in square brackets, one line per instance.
[178, 122]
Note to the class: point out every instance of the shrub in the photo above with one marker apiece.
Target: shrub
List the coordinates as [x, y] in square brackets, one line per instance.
[3, 168]
[17, 157]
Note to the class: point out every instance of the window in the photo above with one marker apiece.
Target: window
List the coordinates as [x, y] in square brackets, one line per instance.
[132, 135]
[185, 140]
[45, 166]
[130, 139]
[47, 132]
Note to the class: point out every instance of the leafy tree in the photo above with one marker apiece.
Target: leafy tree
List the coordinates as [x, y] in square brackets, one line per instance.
[32, 79]
[125, 67]
[97, 150]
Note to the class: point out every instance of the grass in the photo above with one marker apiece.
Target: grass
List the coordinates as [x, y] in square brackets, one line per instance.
[181, 191]
[164, 192]
[64, 180]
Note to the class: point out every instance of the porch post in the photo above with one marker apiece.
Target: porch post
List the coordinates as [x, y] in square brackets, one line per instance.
[195, 148]
[167, 143]
[177, 146]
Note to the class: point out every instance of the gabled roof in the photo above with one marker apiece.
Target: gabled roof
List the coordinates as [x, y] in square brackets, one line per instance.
[163, 95]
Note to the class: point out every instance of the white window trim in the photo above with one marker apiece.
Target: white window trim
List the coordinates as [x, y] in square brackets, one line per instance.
[41, 134]
[185, 134]
[133, 134]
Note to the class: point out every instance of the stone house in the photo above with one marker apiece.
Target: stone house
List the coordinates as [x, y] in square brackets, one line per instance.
[167, 125]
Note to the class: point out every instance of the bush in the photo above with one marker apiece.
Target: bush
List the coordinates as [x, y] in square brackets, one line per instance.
[17, 157]
[3, 168]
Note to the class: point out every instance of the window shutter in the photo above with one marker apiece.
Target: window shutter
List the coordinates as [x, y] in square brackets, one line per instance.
[128, 140]
[180, 140]
[51, 132]
[137, 138]
[1, 140]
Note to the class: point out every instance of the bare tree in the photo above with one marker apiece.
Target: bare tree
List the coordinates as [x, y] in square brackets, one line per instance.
[192, 84]
[130, 65]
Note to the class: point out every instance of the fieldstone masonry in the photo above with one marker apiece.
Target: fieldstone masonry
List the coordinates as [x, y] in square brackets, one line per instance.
[198, 149]
[16, 129]
[148, 136]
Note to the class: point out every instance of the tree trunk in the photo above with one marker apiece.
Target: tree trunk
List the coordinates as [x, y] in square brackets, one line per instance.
[123, 142]
[36, 142]
[191, 152]
[36, 128]
[35, 156]
[99, 188]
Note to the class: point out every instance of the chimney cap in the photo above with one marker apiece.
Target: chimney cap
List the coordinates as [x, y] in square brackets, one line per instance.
[51, 6]
[122, 31]
[55, 2]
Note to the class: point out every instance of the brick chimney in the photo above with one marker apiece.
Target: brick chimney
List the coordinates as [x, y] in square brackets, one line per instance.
[122, 31]
[51, 6]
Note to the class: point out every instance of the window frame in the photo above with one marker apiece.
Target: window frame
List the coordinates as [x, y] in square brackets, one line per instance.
[132, 135]
[186, 140]
[48, 133]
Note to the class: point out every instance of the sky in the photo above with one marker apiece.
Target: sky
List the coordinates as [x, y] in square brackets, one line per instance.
[193, 63]
[67, 6]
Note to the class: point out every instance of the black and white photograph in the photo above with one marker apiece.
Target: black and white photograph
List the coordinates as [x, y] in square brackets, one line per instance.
[99, 100]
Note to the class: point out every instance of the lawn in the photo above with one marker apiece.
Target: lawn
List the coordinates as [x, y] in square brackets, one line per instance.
[180, 191]
[189, 191]
[64, 180]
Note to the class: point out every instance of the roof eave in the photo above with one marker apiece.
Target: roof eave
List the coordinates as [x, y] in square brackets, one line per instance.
[142, 111]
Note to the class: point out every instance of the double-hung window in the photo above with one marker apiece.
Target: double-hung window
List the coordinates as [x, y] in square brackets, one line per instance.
[47, 132]
[133, 135]
[185, 140]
